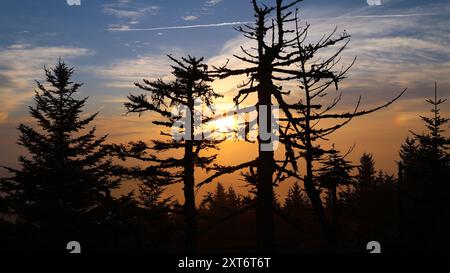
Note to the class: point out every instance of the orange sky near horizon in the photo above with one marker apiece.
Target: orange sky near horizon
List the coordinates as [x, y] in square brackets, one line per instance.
[380, 134]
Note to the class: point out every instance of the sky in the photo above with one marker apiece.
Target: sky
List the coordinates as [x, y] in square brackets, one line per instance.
[114, 43]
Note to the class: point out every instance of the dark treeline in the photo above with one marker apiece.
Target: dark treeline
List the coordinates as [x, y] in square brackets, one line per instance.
[63, 190]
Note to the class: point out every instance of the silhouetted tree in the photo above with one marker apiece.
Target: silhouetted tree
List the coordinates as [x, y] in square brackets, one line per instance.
[315, 76]
[334, 174]
[66, 178]
[366, 172]
[3, 205]
[295, 200]
[280, 47]
[221, 203]
[425, 188]
[234, 201]
[434, 141]
[188, 91]
[220, 195]
[384, 178]
[151, 196]
[271, 56]
[222, 212]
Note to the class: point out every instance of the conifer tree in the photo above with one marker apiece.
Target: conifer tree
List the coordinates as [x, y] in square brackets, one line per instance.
[295, 199]
[366, 172]
[233, 199]
[333, 175]
[425, 188]
[67, 174]
[425, 156]
[434, 141]
[151, 195]
[189, 89]
[221, 203]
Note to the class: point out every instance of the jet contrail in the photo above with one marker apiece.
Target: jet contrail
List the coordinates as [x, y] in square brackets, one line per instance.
[126, 28]
[180, 27]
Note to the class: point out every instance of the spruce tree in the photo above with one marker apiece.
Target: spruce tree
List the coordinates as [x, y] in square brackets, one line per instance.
[366, 172]
[334, 174]
[425, 164]
[233, 199]
[434, 142]
[66, 175]
[295, 199]
[425, 156]
[189, 92]
[220, 195]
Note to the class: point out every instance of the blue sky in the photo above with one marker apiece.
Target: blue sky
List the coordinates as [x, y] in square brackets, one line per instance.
[399, 43]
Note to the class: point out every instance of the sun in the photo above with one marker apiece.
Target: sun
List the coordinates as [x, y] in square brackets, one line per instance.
[225, 124]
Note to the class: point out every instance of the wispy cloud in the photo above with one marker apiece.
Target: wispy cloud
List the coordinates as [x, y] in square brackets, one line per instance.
[190, 17]
[123, 73]
[21, 64]
[131, 14]
[123, 9]
[127, 28]
[212, 3]
[206, 9]
[397, 50]
[374, 2]
[387, 15]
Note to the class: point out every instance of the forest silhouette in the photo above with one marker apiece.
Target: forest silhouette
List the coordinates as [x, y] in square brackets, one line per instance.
[63, 189]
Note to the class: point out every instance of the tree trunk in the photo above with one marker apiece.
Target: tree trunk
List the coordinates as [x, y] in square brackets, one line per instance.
[266, 162]
[189, 184]
[310, 188]
[334, 217]
[315, 199]
[189, 203]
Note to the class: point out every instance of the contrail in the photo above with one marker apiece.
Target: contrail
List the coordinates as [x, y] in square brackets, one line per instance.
[179, 27]
[127, 28]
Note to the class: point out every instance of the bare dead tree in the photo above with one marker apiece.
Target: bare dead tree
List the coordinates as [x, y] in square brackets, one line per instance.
[316, 73]
[282, 55]
[269, 57]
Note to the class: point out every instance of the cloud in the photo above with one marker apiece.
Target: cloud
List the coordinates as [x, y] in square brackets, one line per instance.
[22, 64]
[405, 49]
[123, 73]
[127, 28]
[374, 2]
[131, 14]
[189, 17]
[118, 27]
[73, 2]
[212, 3]
[388, 15]
[205, 9]
[124, 11]
[410, 48]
